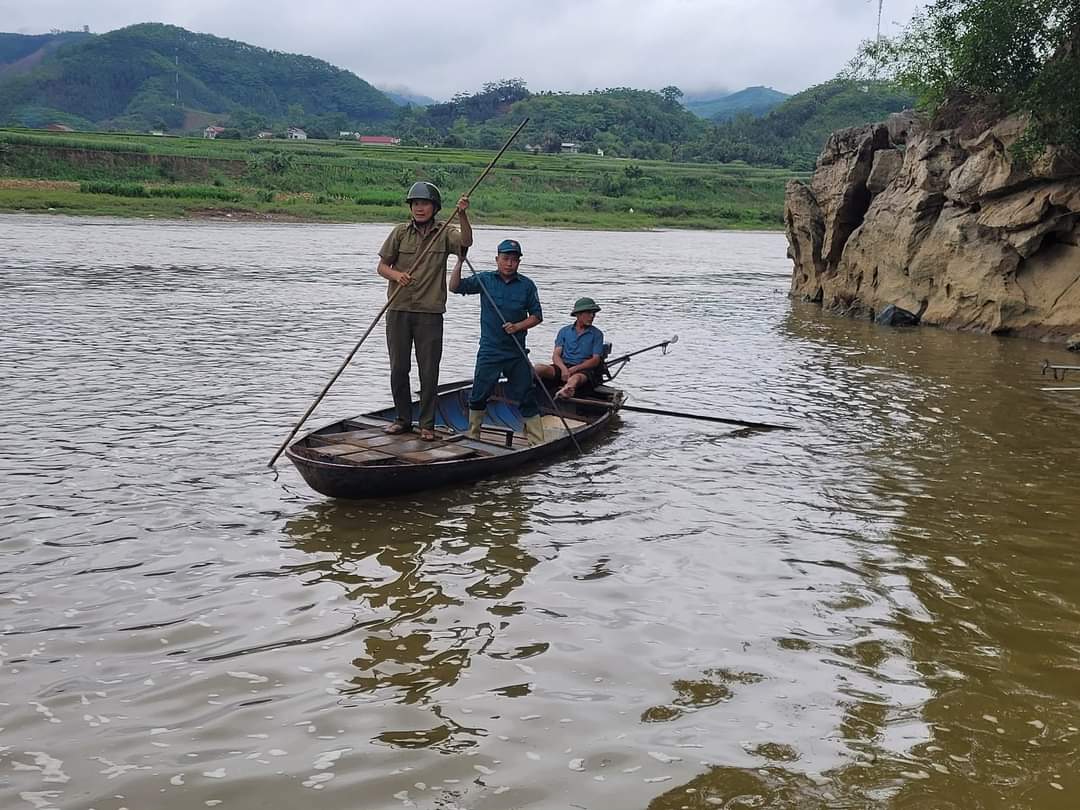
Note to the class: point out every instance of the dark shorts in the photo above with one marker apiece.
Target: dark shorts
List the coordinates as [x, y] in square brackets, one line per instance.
[592, 377]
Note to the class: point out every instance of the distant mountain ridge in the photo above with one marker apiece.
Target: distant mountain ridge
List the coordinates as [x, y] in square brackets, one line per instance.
[793, 133]
[756, 101]
[150, 74]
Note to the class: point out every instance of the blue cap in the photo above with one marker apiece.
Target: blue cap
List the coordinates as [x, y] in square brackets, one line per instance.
[509, 246]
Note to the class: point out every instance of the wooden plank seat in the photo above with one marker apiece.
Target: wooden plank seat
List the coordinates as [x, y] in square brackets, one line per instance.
[369, 445]
[351, 454]
[445, 452]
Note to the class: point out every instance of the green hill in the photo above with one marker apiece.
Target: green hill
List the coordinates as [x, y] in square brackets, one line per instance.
[793, 134]
[620, 121]
[20, 53]
[130, 79]
[753, 100]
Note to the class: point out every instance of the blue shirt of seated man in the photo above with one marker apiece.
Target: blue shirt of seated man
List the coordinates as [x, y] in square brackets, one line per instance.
[577, 348]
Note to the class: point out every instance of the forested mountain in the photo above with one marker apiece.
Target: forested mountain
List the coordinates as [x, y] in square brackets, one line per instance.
[154, 76]
[753, 100]
[132, 78]
[793, 134]
[620, 121]
[20, 53]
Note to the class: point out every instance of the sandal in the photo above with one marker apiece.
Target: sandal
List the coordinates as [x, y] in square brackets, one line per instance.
[427, 435]
[397, 427]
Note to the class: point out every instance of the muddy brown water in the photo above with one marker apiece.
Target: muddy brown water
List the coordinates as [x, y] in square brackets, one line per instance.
[878, 610]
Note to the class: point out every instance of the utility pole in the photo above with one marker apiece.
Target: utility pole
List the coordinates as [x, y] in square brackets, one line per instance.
[877, 41]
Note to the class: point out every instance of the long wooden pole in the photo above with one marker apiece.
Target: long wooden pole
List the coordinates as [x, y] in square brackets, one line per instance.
[390, 298]
[680, 414]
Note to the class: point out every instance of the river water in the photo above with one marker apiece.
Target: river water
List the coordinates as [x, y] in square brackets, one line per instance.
[880, 609]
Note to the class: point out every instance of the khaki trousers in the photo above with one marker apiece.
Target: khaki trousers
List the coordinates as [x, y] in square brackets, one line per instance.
[424, 331]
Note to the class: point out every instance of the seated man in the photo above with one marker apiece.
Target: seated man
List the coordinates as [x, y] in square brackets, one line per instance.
[578, 352]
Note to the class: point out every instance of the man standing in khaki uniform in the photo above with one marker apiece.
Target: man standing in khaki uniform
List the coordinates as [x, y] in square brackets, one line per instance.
[415, 314]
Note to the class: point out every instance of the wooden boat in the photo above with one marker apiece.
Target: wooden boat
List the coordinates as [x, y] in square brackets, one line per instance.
[354, 458]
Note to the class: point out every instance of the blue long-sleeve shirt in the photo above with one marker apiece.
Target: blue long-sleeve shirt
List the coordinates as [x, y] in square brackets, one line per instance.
[516, 299]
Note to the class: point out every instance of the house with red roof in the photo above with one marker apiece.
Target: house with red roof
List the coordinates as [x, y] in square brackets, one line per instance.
[378, 140]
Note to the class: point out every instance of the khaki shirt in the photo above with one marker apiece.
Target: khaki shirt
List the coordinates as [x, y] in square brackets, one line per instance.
[427, 292]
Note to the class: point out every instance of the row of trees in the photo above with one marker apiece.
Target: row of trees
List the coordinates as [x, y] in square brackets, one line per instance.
[619, 121]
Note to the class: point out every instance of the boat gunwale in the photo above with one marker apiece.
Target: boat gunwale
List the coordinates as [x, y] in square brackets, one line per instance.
[521, 452]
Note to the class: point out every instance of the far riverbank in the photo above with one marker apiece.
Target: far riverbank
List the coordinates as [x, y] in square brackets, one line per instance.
[93, 174]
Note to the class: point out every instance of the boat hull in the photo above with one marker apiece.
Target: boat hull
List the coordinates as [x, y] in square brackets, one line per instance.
[337, 479]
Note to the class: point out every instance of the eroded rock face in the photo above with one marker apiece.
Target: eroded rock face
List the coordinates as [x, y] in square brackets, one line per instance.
[952, 228]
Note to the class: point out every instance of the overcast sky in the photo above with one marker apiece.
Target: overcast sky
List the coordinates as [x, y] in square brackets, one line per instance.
[441, 48]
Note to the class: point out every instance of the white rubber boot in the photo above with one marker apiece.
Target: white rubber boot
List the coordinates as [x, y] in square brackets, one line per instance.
[534, 430]
[476, 419]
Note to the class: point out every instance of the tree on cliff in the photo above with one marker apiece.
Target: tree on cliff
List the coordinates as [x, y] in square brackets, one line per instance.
[1018, 56]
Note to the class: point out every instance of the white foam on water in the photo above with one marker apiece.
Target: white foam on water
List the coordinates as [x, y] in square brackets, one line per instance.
[51, 768]
[250, 677]
[328, 758]
[665, 758]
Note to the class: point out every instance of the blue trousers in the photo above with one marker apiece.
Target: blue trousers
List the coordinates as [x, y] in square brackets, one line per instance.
[519, 384]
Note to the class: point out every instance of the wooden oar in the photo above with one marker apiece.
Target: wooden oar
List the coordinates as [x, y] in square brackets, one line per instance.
[657, 412]
[390, 298]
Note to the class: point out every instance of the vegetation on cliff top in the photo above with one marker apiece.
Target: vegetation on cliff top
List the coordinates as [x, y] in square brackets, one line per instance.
[1018, 56]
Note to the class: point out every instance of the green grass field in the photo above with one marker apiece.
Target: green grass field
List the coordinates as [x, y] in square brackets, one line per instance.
[144, 175]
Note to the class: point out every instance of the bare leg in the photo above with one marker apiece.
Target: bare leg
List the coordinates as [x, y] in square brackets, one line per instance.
[545, 372]
[570, 388]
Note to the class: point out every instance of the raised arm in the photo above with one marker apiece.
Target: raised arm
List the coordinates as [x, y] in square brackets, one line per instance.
[455, 274]
[466, 226]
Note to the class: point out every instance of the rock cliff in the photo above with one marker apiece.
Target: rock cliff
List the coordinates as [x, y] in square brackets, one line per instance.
[944, 223]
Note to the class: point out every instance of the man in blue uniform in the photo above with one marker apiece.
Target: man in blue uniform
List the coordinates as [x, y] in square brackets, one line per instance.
[509, 308]
[578, 352]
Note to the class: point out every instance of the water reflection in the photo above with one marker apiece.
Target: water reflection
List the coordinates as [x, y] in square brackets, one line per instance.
[980, 544]
[876, 610]
[418, 576]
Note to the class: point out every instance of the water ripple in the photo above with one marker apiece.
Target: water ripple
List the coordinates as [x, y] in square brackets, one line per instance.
[877, 609]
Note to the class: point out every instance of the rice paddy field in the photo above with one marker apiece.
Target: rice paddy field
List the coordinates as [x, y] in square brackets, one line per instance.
[340, 181]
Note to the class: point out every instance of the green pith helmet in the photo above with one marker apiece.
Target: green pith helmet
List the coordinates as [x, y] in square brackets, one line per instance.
[423, 190]
[584, 305]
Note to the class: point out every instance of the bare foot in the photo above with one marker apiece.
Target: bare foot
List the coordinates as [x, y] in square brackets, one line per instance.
[427, 435]
[397, 427]
[565, 392]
